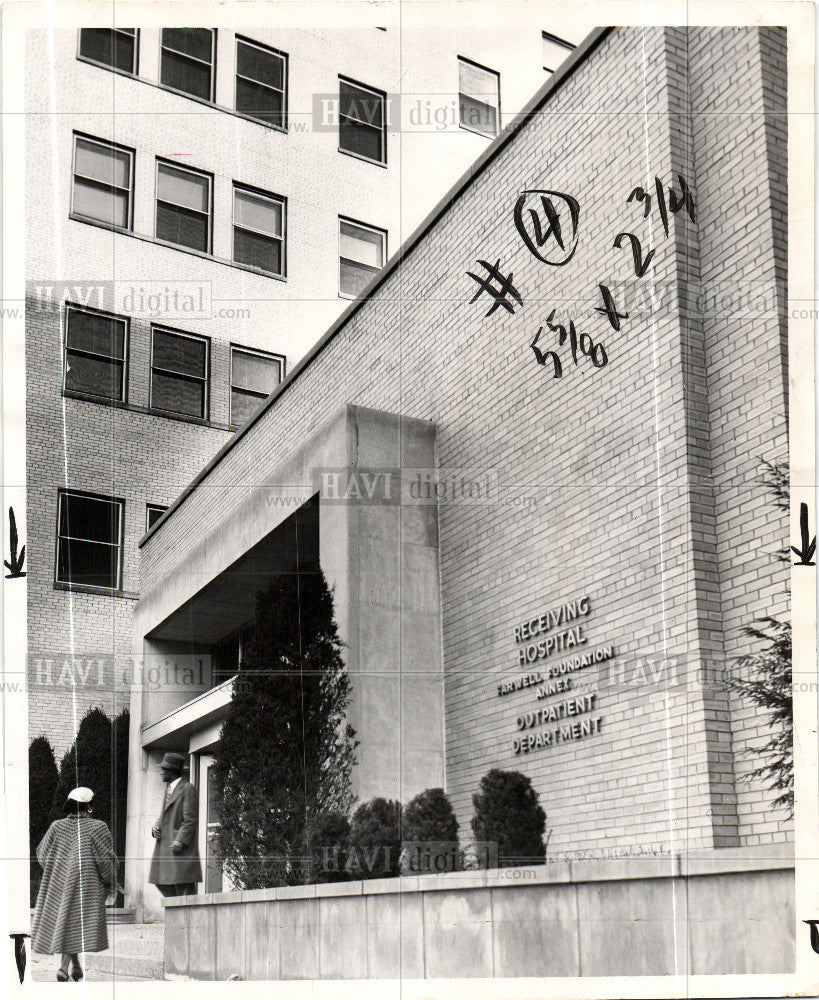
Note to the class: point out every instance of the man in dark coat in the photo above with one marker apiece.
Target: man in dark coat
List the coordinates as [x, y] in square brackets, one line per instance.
[175, 868]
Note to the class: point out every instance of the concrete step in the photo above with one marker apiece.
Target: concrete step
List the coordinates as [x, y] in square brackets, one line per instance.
[134, 950]
[137, 940]
[106, 964]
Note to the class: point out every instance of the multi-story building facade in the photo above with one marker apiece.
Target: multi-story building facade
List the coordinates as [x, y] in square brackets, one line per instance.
[568, 601]
[201, 204]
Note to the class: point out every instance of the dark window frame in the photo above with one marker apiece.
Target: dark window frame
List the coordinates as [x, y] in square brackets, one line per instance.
[240, 637]
[134, 71]
[119, 503]
[270, 196]
[126, 340]
[153, 508]
[547, 36]
[496, 74]
[244, 40]
[361, 225]
[183, 93]
[377, 93]
[188, 378]
[250, 392]
[106, 144]
[184, 55]
[183, 168]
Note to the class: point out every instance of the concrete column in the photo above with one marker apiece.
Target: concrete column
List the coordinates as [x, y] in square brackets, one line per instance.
[378, 549]
[165, 677]
[393, 623]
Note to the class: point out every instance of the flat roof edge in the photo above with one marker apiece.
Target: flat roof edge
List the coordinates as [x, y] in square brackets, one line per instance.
[555, 81]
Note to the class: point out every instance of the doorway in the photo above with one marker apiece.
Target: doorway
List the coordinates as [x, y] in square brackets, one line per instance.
[209, 826]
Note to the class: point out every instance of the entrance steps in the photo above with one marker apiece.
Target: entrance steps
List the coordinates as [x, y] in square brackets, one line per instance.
[134, 951]
[135, 954]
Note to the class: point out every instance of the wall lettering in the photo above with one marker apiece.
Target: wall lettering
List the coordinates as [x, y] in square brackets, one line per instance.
[553, 632]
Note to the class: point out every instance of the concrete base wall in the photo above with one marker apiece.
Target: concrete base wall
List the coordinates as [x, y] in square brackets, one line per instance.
[719, 912]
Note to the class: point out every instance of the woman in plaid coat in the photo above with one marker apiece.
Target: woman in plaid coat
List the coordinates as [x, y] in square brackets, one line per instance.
[79, 871]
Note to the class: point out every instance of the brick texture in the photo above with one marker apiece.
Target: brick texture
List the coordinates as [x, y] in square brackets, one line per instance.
[630, 483]
[146, 458]
[643, 473]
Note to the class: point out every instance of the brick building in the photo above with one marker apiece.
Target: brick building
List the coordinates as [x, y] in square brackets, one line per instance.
[594, 408]
[201, 204]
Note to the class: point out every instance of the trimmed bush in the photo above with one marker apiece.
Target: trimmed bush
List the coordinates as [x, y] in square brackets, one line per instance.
[507, 813]
[430, 835]
[375, 840]
[88, 762]
[42, 780]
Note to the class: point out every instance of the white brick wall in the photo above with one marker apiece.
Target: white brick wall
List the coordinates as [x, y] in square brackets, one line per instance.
[593, 445]
[145, 458]
[614, 455]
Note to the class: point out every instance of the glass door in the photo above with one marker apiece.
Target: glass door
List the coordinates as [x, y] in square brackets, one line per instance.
[208, 826]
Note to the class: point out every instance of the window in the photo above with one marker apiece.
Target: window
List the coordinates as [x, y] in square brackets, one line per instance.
[229, 654]
[261, 83]
[183, 202]
[478, 97]
[153, 512]
[114, 47]
[361, 125]
[555, 50]
[253, 376]
[361, 255]
[95, 353]
[179, 379]
[187, 61]
[102, 182]
[89, 540]
[258, 229]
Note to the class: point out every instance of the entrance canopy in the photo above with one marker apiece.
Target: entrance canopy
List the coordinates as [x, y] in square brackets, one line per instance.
[227, 602]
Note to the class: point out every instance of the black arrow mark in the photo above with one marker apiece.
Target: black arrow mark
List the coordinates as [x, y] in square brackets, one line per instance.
[808, 547]
[20, 954]
[814, 934]
[15, 567]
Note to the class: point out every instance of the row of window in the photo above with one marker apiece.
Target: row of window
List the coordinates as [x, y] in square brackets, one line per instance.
[188, 66]
[188, 61]
[103, 191]
[90, 537]
[96, 361]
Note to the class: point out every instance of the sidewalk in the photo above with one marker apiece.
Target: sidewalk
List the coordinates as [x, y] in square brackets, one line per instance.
[45, 971]
[135, 954]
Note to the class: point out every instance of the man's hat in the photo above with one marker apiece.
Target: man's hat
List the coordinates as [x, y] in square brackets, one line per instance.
[174, 762]
[81, 794]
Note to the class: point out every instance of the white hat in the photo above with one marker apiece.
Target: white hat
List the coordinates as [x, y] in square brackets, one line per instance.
[80, 794]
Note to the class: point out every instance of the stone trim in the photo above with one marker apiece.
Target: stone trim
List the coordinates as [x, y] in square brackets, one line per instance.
[729, 860]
